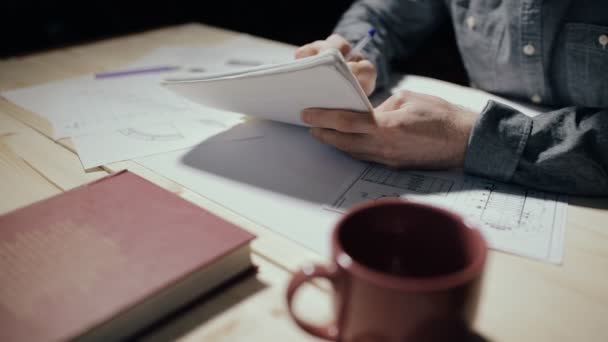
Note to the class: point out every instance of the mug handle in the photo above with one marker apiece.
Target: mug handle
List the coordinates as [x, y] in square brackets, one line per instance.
[307, 273]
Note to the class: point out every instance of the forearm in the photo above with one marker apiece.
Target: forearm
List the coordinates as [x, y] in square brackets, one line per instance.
[563, 151]
[401, 26]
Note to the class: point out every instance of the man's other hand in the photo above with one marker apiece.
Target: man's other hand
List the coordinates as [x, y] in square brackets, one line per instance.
[408, 130]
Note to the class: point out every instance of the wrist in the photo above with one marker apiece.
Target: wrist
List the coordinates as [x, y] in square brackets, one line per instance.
[466, 120]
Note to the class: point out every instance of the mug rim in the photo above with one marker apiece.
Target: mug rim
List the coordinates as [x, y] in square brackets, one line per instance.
[410, 283]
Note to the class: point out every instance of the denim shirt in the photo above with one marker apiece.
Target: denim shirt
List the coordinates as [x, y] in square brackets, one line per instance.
[552, 53]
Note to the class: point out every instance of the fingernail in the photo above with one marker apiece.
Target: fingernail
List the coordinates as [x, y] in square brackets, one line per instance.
[306, 116]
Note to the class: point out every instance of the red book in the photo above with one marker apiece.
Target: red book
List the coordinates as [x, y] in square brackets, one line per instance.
[104, 260]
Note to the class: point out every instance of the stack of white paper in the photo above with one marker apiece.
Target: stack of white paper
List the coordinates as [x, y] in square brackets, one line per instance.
[279, 92]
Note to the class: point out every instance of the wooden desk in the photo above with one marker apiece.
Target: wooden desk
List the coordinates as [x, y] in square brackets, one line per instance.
[523, 300]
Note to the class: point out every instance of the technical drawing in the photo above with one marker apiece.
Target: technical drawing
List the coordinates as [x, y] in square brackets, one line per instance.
[377, 182]
[161, 133]
[506, 207]
[512, 218]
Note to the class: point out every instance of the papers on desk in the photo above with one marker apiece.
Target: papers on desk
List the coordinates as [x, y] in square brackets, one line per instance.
[123, 117]
[287, 181]
[279, 92]
[273, 173]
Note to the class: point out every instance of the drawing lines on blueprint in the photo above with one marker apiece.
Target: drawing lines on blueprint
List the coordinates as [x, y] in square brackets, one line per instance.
[514, 218]
[377, 182]
[406, 181]
[168, 132]
[507, 209]
[171, 134]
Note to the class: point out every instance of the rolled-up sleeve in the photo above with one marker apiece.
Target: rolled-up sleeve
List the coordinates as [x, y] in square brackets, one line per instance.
[563, 151]
[401, 26]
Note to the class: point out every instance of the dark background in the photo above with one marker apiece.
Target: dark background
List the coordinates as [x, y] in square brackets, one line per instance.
[32, 26]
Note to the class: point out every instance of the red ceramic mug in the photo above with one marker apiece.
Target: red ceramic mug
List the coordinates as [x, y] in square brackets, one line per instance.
[401, 271]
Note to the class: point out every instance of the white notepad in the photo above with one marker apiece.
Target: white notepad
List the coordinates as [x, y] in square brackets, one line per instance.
[279, 92]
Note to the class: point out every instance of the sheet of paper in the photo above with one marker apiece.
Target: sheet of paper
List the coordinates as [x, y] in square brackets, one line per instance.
[279, 181]
[86, 105]
[111, 146]
[286, 179]
[512, 218]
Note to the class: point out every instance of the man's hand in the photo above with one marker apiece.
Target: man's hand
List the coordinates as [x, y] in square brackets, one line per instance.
[409, 129]
[363, 69]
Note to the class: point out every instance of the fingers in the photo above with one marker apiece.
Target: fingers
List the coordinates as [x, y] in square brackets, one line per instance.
[309, 49]
[396, 101]
[339, 120]
[347, 142]
[357, 57]
[338, 42]
[365, 72]
[334, 41]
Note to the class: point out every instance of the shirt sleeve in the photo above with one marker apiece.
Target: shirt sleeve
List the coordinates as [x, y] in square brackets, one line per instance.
[401, 26]
[563, 151]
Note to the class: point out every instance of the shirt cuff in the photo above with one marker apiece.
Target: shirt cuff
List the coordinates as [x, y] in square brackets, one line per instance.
[497, 142]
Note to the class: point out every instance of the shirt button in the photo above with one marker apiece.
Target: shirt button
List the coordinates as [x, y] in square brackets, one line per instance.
[536, 98]
[603, 39]
[529, 49]
[471, 22]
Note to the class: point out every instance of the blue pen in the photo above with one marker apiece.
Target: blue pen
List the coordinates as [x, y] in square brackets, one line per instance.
[361, 44]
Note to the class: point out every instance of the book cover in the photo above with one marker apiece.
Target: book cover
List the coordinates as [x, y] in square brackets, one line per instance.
[102, 260]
